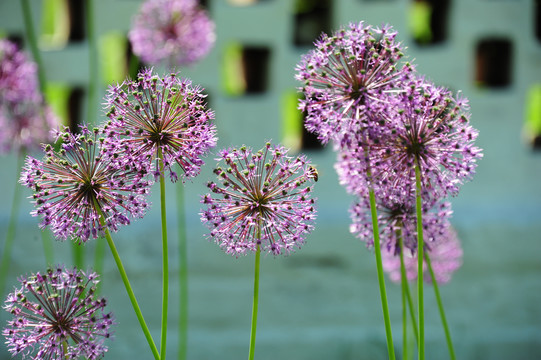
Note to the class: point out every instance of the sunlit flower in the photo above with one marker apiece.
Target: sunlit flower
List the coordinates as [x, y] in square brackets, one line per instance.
[57, 316]
[262, 199]
[425, 125]
[74, 184]
[162, 114]
[348, 76]
[177, 32]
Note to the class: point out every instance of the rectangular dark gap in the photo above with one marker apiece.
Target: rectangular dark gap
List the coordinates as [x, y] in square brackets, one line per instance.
[309, 141]
[438, 21]
[77, 20]
[134, 63]
[312, 17]
[75, 108]
[255, 61]
[494, 63]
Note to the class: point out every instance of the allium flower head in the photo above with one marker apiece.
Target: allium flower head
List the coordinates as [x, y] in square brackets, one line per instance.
[25, 120]
[262, 198]
[57, 316]
[445, 255]
[164, 114]
[424, 125]
[430, 127]
[347, 76]
[397, 217]
[18, 75]
[71, 186]
[178, 32]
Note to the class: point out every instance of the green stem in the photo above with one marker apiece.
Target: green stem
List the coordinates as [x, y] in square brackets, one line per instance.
[381, 279]
[31, 38]
[256, 299]
[183, 275]
[412, 314]
[127, 285]
[12, 226]
[404, 282]
[165, 260]
[420, 250]
[92, 63]
[440, 307]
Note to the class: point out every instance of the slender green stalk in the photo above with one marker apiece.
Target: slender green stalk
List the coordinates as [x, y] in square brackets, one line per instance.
[165, 259]
[31, 38]
[127, 285]
[256, 300]
[420, 250]
[412, 313]
[78, 255]
[440, 307]
[92, 64]
[381, 279]
[12, 226]
[183, 275]
[404, 282]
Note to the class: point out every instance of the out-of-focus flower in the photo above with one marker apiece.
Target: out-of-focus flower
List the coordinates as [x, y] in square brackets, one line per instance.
[397, 218]
[162, 114]
[25, 120]
[178, 32]
[57, 316]
[71, 186]
[445, 255]
[262, 199]
[348, 76]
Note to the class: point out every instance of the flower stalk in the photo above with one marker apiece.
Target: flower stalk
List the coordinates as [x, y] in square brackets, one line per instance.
[381, 279]
[127, 284]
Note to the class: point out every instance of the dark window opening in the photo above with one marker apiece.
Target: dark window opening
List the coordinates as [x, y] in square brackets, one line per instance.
[310, 141]
[77, 20]
[429, 21]
[256, 68]
[312, 17]
[493, 63]
[75, 107]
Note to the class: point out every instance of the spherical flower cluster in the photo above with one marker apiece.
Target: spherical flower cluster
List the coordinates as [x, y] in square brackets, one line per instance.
[163, 118]
[445, 254]
[348, 76]
[25, 120]
[74, 185]
[176, 31]
[397, 221]
[262, 201]
[57, 316]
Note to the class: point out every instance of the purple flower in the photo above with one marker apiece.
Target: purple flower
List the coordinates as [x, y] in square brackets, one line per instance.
[25, 120]
[262, 198]
[445, 255]
[426, 125]
[71, 186]
[56, 316]
[397, 217]
[167, 115]
[176, 31]
[348, 76]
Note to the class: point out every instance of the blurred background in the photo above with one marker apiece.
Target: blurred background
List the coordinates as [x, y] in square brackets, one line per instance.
[322, 302]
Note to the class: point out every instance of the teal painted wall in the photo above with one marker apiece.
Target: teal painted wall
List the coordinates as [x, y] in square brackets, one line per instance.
[323, 301]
